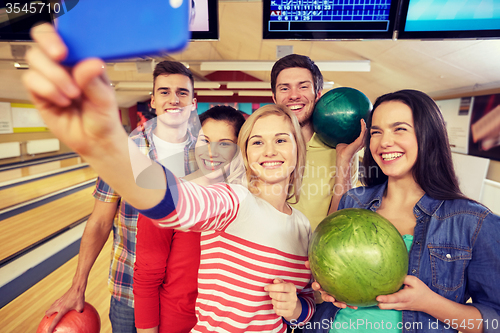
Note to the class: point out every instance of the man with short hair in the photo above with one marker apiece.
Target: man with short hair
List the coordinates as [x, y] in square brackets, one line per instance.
[297, 82]
[166, 139]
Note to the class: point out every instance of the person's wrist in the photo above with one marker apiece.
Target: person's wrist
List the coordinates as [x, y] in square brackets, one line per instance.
[79, 285]
[111, 147]
[78, 291]
[343, 172]
[344, 166]
[346, 161]
[296, 312]
[433, 302]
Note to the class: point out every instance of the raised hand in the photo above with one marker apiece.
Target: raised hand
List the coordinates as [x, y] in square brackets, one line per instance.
[346, 152]
[78, 104]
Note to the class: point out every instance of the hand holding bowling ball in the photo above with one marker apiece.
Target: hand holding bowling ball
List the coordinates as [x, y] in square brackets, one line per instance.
[356, 255]
[88, 321]
[337, 115]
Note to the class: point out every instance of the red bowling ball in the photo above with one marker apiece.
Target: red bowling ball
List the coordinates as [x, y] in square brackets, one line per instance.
[88, 321]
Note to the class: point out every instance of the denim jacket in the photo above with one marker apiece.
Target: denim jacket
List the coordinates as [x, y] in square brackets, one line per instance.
[455, 252]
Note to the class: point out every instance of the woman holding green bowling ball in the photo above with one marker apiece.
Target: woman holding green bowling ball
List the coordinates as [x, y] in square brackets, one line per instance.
[409, 179]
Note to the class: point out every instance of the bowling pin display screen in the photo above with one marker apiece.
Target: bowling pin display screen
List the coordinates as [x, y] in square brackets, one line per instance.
[329, 19]
[424, 19]
[203, 19]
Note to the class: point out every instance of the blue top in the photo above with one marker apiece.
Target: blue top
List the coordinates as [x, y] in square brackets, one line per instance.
[455, 252]
[370, 319]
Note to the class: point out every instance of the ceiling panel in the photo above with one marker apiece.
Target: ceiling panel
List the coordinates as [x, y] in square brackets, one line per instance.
[436, 67]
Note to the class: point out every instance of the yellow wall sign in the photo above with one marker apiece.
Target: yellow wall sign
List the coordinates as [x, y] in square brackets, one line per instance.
[25, 119]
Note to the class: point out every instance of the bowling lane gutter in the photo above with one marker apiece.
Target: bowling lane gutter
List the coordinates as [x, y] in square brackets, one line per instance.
[42, 160]
[25, 206]
[42, 241]
[42, 268]
[28, 179]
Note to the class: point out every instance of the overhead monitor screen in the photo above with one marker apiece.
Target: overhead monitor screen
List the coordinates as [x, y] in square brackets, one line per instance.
[17, 18]
[203, 18]
[450, 19]
[329, 19]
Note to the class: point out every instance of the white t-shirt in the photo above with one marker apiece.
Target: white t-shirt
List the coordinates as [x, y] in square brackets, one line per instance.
[171, 155]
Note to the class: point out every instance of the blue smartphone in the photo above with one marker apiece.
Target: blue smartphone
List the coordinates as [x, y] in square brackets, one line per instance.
[117, 29]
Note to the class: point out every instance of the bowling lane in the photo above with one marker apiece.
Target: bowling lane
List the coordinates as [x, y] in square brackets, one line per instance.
[25, 312]
[23, 230]
[39, 169]
[27, 191]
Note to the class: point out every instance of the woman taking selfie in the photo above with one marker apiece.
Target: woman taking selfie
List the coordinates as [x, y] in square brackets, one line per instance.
[253, 244]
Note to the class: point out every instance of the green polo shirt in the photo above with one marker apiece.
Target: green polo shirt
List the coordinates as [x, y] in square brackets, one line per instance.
[318, 180]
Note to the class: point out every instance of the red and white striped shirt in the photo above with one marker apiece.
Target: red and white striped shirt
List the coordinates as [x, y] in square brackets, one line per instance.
[246, 243]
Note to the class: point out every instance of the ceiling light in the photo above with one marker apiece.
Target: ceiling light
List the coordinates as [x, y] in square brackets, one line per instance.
[324, 66]
[206, 85]
[215, 93]
[143, 85]
[20, 65]
[134, 85]
[236, 65]
[125, 66]
[344, 66]
[255, 93]
[249, 85]
[328, 85]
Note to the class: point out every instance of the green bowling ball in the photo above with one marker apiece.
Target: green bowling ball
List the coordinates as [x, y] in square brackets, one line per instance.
[337, 115]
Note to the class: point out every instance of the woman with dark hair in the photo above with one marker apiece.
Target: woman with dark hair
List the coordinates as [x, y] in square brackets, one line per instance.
[433, 169]
[216, 145]
[452, 240]
[224, 113]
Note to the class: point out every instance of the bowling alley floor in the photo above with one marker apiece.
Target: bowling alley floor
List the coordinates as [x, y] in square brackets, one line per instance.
[24, 313]
[44, 205]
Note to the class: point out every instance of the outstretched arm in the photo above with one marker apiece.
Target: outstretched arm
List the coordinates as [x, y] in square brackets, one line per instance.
[79, 107]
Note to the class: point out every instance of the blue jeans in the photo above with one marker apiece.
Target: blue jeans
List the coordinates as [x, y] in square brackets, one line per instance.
[122, 317]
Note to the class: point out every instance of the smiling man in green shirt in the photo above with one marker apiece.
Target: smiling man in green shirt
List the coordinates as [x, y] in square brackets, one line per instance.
[297, 82]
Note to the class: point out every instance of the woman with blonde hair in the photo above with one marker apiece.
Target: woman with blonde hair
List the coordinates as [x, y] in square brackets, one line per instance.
[252, 275]
[296, 173]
